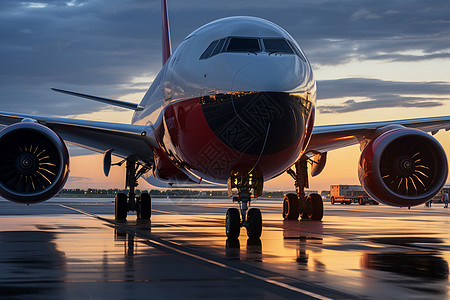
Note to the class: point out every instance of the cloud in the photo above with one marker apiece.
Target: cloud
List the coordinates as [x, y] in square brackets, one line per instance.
[409, 58]
[99, 47]
[379, 94]
[335, 32]
[88, 46]
[392, 101]
[363, 14]
[79, 178]
[368, 87]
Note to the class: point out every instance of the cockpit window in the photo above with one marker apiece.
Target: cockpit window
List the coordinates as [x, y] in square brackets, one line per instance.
[298, 52]
[243, 45]
[219, 47]
[209, 50]
[277, 46]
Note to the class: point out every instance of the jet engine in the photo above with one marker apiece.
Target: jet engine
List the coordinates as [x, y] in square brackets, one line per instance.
[34, 162]
[403, 167]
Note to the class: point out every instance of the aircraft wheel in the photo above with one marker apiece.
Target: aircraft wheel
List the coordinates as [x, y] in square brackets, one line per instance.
[254, 220]
[233, 223]
[121, 208]
[146, 206]
[317, 207]
[291, 208]
[332, 200]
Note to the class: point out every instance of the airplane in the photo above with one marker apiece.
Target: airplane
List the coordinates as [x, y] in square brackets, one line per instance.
[233, 106]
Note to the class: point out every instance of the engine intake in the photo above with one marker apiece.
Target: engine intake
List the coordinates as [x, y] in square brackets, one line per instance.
[34, 163]
[403, 167]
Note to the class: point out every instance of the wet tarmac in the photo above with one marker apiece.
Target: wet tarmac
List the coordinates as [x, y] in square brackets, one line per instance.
[73, 249]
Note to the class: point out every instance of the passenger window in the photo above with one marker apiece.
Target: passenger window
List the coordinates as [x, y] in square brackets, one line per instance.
[277, 46]
[243, 45]
[209, 50]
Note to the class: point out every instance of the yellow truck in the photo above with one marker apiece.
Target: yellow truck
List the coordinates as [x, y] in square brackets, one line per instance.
[348, 194]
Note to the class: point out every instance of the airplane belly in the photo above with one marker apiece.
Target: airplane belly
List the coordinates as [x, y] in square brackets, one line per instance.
[215, 135]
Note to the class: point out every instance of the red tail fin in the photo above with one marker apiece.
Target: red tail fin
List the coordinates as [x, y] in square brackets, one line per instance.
[166, 43]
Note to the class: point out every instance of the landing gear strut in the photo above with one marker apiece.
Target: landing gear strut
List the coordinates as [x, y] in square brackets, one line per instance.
[249, 186]
[295, 205]
[132, 202]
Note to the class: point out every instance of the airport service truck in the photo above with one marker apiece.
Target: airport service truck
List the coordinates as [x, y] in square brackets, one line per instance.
[348, 194]
[438, 197]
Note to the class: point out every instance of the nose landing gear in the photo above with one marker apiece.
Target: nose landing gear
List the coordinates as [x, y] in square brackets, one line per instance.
[251, 220]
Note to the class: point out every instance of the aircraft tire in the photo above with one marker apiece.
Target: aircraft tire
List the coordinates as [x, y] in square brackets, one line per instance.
[233, 223]
[317, 207]
[291, 209]
[146, 207]
[254, 219]
[121, 208]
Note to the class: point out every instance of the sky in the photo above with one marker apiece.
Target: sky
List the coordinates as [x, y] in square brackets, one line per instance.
[373, 61]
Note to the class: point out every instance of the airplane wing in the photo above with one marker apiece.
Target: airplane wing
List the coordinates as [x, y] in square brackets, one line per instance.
[331, 137]
[124, 139]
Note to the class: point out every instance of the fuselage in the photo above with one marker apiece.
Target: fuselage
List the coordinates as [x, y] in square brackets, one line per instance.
[237, 94]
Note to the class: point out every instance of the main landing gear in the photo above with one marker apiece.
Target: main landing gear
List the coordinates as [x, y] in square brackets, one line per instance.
[295, 205]
[246, 183]
[142, 204]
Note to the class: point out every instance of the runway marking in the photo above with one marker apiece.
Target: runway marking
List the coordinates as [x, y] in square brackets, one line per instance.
[162, 211]
[210, 261]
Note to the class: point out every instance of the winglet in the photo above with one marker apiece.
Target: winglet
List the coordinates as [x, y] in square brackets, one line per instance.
[119, 103]
[166, 42]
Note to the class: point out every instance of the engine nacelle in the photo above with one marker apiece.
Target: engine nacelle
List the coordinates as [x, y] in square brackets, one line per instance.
[403, 167]
[34, 163]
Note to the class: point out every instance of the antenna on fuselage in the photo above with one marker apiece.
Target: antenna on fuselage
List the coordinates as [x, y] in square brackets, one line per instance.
[166, 43]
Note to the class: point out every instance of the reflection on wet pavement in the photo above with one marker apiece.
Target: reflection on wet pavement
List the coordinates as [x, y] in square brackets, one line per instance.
[370, 252]
[25, 257]
[425, 265]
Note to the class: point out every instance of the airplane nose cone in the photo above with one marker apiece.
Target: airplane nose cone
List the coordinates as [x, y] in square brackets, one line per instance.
[256, 123]
[274, 74]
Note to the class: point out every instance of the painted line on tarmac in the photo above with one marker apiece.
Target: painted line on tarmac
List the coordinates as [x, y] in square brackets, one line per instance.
[162, 211]
[210, 261]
